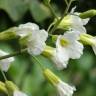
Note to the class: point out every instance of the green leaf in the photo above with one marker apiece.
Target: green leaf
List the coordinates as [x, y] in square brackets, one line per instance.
[18, 69]
[44, 61]
[14, 8]
[33, 81]
[39, 11]
[86, 61]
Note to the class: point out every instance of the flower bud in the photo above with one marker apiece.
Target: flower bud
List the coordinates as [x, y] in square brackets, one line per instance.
[86, 39]
[63, 88]
[11, 87]
[88, 14]
[3, 87]
[48, 51]
[8, 34]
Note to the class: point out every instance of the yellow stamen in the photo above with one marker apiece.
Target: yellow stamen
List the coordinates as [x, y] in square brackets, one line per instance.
[64, 42]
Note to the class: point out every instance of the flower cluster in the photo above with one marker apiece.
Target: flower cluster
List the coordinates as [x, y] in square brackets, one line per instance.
[68, 45]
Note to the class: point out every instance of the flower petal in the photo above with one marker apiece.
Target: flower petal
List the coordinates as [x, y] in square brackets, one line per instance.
[25, 29]
[35, 48]
[77, 24]
[65, 89]
[60, 60]
[5, 63]
[75, 48]
[19, 93]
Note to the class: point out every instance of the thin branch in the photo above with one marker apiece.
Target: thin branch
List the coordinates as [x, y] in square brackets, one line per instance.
[52, 11]
[41, 66]
[13, 54]
[66, 2]
[18, 53]
[4, 76]
[58, 22]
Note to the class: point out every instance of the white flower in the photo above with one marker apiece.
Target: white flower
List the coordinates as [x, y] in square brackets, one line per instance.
[59, 59]
[19, 93]
[89, 40]
[75, 23]
[36, 37]
[64, 89]
[79, 21]
[69, 45]
[26, 29]
[36, 42]
[5, 63]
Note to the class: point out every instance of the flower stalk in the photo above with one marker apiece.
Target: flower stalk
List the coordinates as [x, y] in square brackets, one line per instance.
[13, 54]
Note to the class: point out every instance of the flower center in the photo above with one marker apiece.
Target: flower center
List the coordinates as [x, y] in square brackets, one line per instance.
[64, 42]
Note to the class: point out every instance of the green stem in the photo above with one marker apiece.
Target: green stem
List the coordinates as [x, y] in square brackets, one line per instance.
[13, 54]
[4, 76]
[52, 11]
[42, 67]
[50, 27]
[18, 53]
[66, 2]
[58, 22]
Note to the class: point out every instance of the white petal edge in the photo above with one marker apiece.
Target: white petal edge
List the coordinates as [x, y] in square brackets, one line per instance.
[59, 60]
[65, 89]
[25, 29]
[5, 63]
[19, 93]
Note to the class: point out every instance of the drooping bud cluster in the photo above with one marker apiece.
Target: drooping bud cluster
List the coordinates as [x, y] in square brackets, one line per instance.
[11, 89]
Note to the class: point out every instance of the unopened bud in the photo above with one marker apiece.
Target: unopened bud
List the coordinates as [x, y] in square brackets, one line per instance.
[88, 14]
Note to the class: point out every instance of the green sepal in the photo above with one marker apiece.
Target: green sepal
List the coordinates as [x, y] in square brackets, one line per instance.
[3, 88]
[11, 87]
[8, 34]
[51, 77]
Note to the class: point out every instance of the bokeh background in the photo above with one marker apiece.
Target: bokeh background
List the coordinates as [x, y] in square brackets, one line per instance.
[24, 71]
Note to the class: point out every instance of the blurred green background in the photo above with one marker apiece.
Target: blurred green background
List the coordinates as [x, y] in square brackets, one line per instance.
[24, 71]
